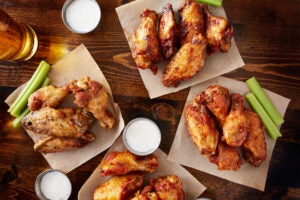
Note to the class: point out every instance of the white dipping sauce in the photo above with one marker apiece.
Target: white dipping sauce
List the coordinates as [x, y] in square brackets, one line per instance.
[142, 136]
[83, 15]
[55, 185]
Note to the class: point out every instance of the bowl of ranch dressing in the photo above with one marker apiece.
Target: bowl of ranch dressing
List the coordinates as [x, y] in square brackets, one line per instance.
[141, 136]
[81, 16]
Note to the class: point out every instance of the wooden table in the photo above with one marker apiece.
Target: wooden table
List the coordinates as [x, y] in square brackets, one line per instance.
[267, 35]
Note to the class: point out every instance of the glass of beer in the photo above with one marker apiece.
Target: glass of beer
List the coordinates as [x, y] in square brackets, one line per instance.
[17, 41]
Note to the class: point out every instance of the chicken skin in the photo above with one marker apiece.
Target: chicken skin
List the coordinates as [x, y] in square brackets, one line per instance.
[119, 187]
[63, 122]
[218, 32]
[236, 123]
[119, 163]
[187, 62]
[201, 126]
[93, 97]
[145, 45]
[254, 148]
[191, 21]
[167, 31]
[146, 194]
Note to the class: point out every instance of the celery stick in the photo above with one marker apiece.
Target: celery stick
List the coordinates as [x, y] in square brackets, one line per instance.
[264, 100]
[46, 82]
[215, 3]
[270, 126]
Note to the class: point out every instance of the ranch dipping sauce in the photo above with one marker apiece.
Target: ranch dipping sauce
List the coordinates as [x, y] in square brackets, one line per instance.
[141, 136]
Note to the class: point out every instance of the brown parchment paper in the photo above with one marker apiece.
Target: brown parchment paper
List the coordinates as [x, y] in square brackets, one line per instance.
[191, 186]
[216, 64]
[75, 65]
[184, 152]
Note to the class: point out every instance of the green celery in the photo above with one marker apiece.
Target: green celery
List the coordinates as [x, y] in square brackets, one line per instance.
[215, 3]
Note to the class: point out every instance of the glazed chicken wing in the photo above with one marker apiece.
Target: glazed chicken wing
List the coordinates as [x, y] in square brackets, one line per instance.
[235, 125]
[167, 31]
[118, 163]
[63, 122]
[254, 148]
[201, 126]
[93, 97]
[119, 187]
[186, 63]
[145, 46]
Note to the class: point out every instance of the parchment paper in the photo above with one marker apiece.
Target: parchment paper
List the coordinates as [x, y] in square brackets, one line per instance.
[75, 65]
[216, 64]
[191, 186]
[184, 152]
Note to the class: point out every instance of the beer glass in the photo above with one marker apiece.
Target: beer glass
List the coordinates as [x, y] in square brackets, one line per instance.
[17, 41]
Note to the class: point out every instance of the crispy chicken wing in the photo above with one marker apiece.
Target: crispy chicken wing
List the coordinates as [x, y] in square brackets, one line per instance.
[119, 187]
[145, 46]
[63, 122]
[218, 102]
[186, 63]
[191, 21]
[93, 97]
[167, 31]
[201, 126]
[218, 32]
[146, 194]
[235, 125]
[254, 148]
[118, 163]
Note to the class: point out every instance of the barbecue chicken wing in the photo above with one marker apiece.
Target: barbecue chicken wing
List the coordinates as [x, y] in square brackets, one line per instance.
[93, 97]
[118, 163]
[201, 126]
[119, 187]
[254, 148]
[218, 32]
[167, 31]
[186, 63]
[191, 21]
[218, 102]
[145, 46]
[50, 96]
[63, 122]
[235, 125]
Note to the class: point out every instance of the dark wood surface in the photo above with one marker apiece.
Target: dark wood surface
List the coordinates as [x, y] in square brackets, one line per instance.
[267, 34]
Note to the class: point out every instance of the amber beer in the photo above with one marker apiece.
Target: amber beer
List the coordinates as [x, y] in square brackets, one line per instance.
[17, 41]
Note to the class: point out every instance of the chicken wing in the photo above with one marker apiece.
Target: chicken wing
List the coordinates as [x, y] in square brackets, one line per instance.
[50, 96]
[167, 31]
[191, 21]
[93, 97]
[235, 125]
[119, 163]
[218, 102]
[119, 187]
[145, 46]
[218, 32]
[146, 194]
[186, 63]
[63, 122]
[254, 148]
[52, 144]
[201, 126]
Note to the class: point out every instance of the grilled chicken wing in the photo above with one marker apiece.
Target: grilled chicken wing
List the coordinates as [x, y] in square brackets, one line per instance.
[64, 122]
[118, 163]
[218, 32]
[218, 102]
[119, 187]
[50, 96]
[235, 125]
[201, 126]
[186, 63]
[93, 97]
[254, 148]
[167, 31]
[145, 46]
[52, 144]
